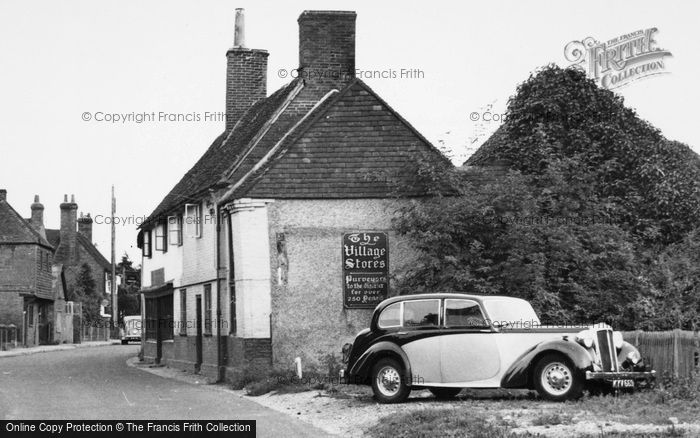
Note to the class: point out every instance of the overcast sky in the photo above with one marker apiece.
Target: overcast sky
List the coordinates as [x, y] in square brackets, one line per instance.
[62, 59]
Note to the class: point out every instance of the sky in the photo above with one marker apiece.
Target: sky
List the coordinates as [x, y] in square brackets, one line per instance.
[63, 60]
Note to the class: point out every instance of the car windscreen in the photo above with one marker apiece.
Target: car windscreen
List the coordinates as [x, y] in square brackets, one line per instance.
[511, 313]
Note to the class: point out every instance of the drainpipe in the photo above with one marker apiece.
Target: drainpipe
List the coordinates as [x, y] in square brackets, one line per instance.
[219, 345]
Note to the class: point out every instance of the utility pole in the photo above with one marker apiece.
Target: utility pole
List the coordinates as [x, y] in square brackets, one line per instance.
[115, 311]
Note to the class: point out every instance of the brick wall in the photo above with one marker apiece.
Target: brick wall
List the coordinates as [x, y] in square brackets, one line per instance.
[246, 81]
[17, 274]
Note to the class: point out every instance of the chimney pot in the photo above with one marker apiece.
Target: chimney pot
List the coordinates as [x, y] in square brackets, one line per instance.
[85, 226]
[239, 31]
[3, 195]
[246, 75]
[37, 219]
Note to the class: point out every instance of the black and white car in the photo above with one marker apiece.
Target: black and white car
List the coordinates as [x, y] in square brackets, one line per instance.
[446, 342]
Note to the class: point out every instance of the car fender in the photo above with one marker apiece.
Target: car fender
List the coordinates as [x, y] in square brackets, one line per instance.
[360, 371]
[518, 374]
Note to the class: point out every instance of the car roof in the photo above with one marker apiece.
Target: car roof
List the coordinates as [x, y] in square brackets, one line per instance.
[130, 317]
[437, 296]
[456, 295]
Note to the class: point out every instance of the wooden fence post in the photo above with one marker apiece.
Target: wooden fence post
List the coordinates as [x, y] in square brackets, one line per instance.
[676, 352]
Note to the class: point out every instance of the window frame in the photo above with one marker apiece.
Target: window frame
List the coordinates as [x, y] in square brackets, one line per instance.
[193, 227]
[175, 230]
[400, 316]
[147, 250]
[478, 305]
[161, 237]
[419, 327]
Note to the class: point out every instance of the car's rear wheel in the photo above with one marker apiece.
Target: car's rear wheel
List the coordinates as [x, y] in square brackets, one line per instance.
[556, 379]
[388, 382]
[445, 393]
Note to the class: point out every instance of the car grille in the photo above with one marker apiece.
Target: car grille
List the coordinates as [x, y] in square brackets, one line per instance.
[606, 350]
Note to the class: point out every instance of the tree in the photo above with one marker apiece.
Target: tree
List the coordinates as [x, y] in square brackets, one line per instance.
[593, 222]
[559, 114]
[128, 294]
[86, 293]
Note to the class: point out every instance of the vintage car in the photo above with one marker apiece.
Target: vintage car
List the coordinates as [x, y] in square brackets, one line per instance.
[446, 342]
[131, 329]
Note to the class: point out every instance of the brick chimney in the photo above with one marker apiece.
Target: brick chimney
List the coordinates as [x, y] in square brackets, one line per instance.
[3, 195]
[246, 75]
[85, 226]
[327, 49]
[66, 252]
[38, 216]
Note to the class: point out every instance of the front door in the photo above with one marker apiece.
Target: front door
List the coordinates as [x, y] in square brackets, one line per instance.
[198, 324]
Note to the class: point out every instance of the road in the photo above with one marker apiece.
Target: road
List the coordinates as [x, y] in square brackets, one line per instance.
[97, 384]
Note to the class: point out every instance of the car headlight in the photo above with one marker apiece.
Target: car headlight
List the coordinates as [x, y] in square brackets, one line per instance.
[634, 357]
[585, 338]
[617, 340]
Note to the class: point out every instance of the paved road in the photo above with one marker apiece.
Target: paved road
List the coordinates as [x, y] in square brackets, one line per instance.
[95, 383]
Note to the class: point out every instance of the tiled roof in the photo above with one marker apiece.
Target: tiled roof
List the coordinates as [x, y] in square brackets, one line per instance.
[487, 151]
[15, 229]
[220, 156]
[351, 144]
[54, 237]
[94, 252]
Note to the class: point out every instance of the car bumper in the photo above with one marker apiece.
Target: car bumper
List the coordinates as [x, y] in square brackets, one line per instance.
[131, 338]
[617, 375]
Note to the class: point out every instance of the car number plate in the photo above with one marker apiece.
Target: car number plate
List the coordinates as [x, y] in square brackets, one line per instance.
[623, 383]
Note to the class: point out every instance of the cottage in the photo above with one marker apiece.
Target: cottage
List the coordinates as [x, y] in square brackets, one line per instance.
[278, 243]
[38, 268]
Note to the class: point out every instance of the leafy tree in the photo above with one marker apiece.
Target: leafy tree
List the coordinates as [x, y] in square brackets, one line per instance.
[560, 114]
[128, 295]
[593, 222]
[86, 293]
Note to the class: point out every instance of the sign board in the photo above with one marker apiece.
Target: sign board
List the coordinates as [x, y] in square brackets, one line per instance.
[365, 269]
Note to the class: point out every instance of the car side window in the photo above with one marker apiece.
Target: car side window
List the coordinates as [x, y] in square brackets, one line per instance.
[391, 316]
[423, 313]
[463, 313]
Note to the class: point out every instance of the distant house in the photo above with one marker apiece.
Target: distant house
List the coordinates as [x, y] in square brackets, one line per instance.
[37, 271]
[278, 242]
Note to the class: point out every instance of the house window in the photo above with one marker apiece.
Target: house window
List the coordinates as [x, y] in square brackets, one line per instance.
[193, 220]
[207, 309]
[162, 237]
[183, 312]
[147, 243]
[175, 230]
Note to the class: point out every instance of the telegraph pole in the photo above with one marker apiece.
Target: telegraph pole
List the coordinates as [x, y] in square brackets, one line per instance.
[115, 312]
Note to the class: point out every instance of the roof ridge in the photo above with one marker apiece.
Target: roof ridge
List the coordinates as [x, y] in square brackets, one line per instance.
[404, 121]
[264, 130]
[273, 150]
[39, 239]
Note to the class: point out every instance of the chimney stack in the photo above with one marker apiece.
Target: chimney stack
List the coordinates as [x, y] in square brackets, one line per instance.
[67, 250]
[38, 216]
[327, 49]
[85, 226]
[246, 75]
[3, 195]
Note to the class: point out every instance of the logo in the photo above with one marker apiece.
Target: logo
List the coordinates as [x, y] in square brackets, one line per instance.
[619, 61]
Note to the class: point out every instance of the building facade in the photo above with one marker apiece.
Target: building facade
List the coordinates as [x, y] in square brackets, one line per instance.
[38, 268]
[278, 243]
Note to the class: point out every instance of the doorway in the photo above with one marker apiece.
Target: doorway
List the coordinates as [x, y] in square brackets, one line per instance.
[198, 324]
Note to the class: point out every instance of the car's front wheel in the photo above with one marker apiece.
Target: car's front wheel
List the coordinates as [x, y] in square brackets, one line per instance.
[445, 393]
[556, 378]
[388, 383]
[124, 342]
